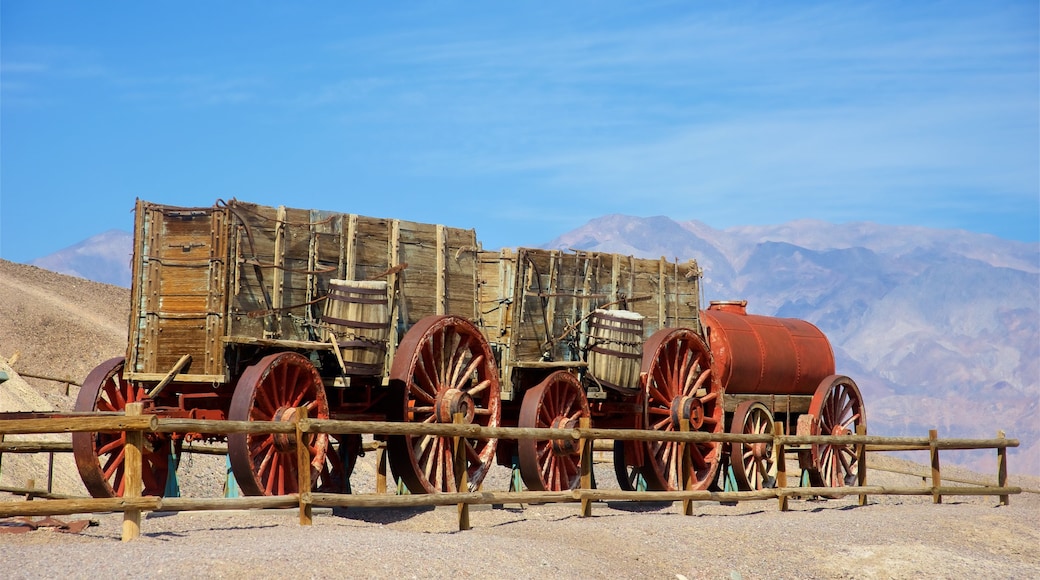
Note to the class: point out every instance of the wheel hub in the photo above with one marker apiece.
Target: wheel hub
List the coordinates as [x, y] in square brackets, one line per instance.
[760, 450]
[286, 442]
[563, 447]
[452, 401]
[689, 408]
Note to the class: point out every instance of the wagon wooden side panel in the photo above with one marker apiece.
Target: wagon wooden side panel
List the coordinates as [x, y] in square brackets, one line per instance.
[535, 306]
[179, 274]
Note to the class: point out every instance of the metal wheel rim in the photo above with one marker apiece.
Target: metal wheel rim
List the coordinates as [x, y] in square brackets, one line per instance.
[99, 456]
[558, 401]
[838, 408]
[438, 354]
[677, 363]
[265, 390]
[629, 478]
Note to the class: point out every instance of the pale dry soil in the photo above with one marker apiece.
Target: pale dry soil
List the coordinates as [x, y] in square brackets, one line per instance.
[891, 537]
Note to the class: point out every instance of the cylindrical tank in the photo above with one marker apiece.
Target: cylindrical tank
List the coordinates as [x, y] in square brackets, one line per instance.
[763, 355]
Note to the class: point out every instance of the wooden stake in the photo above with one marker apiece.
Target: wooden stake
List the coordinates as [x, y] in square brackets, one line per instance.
[132, 482]
[933, 450]
[687, 467]
[381, 469]
[303, 469]
[861, 462]
[781, 464]
[1002, 476]
[461, 475]
[586, 468]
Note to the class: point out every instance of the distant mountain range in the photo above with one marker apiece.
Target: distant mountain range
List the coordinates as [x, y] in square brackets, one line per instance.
[101, 258]
[940, 328]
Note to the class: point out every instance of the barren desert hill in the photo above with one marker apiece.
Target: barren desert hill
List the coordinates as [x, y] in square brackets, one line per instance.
[53, 325]
[59, 326]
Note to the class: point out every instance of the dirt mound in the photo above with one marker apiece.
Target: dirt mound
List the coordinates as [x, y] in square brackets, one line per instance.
[17, 469]
[52, 325]
[60, 326]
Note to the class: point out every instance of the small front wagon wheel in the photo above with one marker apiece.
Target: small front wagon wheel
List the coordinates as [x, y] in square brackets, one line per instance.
[443, 366]
[558, 402]
[837, 409]
[273, 390]
[679, 384]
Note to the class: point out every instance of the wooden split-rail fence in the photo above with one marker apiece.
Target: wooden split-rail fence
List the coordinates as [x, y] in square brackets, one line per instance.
[135, 424]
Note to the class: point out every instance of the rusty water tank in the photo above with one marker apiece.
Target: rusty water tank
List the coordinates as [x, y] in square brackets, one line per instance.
[764, 355]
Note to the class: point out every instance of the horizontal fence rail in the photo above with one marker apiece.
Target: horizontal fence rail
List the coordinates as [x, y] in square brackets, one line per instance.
[135, 425]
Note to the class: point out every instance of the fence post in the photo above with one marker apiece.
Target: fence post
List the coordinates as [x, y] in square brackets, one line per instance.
[303, 470]
[458, 446]
[132, 482]
[1002, 477]
[586, 467]
[381, 468]
[687, 467]
[781, 464]
[861, 461]
[933, 450]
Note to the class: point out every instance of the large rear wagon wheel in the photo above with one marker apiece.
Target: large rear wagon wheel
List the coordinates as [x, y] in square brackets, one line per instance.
[558, 402]
[443, 366]
[837, 409]
[273, 390]
[99, 456]
[679, 384]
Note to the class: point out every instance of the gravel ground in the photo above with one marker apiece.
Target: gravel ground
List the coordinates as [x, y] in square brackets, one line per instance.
[891, 537]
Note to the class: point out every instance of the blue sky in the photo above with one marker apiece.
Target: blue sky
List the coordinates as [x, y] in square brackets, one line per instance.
[523, 120]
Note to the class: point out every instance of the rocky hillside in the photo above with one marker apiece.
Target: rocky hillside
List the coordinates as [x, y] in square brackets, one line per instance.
[941, 329]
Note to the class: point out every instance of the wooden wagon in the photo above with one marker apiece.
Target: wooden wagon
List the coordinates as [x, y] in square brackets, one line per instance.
[246, 312]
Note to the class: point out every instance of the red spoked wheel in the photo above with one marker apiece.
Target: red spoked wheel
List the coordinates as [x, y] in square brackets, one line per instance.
[558, 402]
[443, 366]
[837, 409]
[99, 456]
[679, 385]
[273, 390]
[754, 464]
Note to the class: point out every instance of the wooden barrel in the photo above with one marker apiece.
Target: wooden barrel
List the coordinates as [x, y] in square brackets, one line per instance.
[615, 347]
[357, 318]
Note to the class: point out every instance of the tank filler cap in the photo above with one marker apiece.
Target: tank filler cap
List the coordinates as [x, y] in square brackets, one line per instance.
[733, 306]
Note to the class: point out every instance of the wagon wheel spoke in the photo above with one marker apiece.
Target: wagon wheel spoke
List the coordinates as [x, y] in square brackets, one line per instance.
[272, 390]
[443, 366]
[557, 402]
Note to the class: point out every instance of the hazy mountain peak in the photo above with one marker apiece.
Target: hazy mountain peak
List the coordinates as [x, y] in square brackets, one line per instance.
[102, 258]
